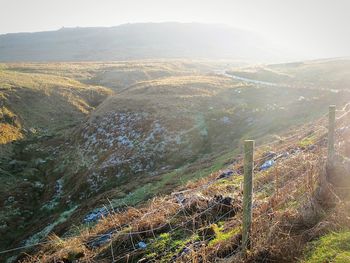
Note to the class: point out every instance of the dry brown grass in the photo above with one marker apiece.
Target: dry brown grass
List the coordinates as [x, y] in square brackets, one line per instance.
[43, 101]
[60, 250]
[9, 133]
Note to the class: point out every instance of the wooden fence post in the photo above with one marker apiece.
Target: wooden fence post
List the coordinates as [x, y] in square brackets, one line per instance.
[247, 193]
[331, 128]
[277, 181]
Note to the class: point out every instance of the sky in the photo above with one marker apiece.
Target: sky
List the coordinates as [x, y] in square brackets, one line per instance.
[315, 27]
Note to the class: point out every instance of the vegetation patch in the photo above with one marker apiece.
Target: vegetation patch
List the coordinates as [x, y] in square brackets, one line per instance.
[333, 247]
[221, 235]
[307, 141]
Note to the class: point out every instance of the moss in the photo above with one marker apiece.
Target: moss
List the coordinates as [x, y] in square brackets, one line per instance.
[307, 141]
[163, 242]
[221, 235]
[167, 246]
[334, 247]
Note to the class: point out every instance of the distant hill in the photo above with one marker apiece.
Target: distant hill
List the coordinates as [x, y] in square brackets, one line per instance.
[137, 41]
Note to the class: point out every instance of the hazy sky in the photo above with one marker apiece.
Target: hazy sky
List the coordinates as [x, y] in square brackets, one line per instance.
[319, 27]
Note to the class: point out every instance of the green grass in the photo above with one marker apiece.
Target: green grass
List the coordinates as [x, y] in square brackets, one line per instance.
[334, 247]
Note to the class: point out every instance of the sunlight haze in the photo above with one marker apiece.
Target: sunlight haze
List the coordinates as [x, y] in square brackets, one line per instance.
[310, 28]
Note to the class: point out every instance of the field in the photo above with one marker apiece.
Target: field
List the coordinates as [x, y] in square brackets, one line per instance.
[81, 138]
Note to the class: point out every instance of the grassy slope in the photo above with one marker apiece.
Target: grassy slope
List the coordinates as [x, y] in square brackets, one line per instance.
[45, 102]
[186, 97]
[284, 221]
[58, 103]
[34, 107]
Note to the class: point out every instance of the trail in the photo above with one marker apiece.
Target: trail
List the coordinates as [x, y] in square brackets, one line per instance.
[271, 84]
[254, 81]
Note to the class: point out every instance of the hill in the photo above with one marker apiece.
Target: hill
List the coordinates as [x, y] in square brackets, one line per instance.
[136, 41]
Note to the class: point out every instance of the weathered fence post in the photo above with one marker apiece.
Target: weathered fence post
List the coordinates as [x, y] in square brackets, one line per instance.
[247, 192]
[331, 128]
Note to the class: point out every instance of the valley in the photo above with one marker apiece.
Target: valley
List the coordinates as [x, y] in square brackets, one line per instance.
[79, 140]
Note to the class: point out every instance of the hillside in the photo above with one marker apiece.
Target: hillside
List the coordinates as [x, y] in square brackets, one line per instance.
[97, 151]
[33, 109]
[136, 41]
[118, 75]
[317, 74]
[132, 140]
[32, 102]
[296, 201]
